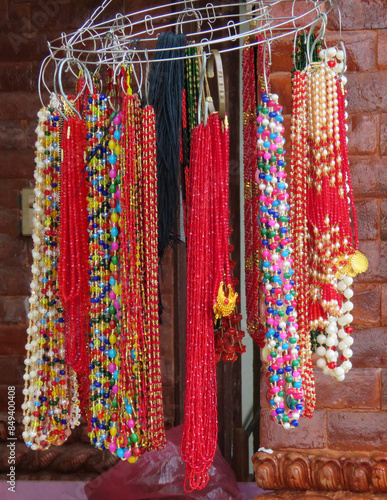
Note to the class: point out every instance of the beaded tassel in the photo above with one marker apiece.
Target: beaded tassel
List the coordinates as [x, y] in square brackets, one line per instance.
[50, 404]
[278, 287]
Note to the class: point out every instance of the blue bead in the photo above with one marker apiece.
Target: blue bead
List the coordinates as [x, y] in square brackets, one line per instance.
[280, 371]
[299, 406]
[120, 452]
[288, 368]
[285, 346]
[272, 402]
[297, 385]
[280, 303]
[295, 423]
[266, 144]
[279, 411]
[263, 209]
[117, 135]
[112, 159]
[265, 242]
[273, 136]
[268, 178]
[279, 118]
[272, 114]
[260, 130]
[281, 185]
[275, 378]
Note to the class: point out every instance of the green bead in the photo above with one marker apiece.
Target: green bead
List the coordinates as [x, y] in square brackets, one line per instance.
[264, 231]
[280, 151]
[287, 276]
[271, 379]
[281, 313]
[134, 438]
[285, 418]
[112, 309]
[273, 354]
[272, 234]
[292, 340]
[289, 379]
[281, 394]
[261, 164]
[283, 218]
[265, 111]
[114, 403]
[260, 107]
[115, 260]
[267, 276]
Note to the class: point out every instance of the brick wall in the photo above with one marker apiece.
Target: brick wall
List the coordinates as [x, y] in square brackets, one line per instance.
[352, 415]
[25, 28]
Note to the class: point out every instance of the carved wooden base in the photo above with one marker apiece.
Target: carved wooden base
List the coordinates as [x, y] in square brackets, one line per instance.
[314, 495]
[322, 471]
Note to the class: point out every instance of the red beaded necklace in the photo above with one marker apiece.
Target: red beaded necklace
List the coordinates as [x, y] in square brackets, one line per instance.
[251, 202]
[73, 261]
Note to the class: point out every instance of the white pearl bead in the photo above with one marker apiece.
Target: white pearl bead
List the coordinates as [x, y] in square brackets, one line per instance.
[26, 376]
[321, 363]
[341, 286]
[348, 341]
[344, 80]
[347, 353]
[348, 280]
[321, 338]
[341, 378]
[346, 365]
[348, 318]
[339, 371]
[326, 371]
[321, 351]
[342, 345]
[331, 329]
[330, 342]
[348, 293]
[286, 425]
[340, 55]
[347, 306]
[330, 354]
[342, 321]
[342, 334]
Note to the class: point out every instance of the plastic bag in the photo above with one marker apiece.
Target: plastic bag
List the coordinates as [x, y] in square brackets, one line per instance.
[160, 474]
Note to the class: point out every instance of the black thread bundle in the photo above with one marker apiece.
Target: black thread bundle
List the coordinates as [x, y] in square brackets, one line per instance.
[166, 83]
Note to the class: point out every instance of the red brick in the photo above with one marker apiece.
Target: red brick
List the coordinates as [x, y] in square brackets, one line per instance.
[281, 55]
[384, 389]
[366, 301]
[363, 135]
[68, 14]
[10, 192]
[369, 176]
[17, 164]
[350, 430]
[366, 92]
[360, 389]
[12, 309]
[300, 8]
[382, 49]
[12, 135]
[19, 398]
[9, 222]
[11, 370]
[370, 346]
[281, 84]
[360, 14]
[384, 304]
[383, 134]
[15, 281]
[13, 251]
[19, 105]
[375, 251]
[13, 339]
[383, 219]
[360, 47]
[311, 433]
[367, 218]
[15, 76]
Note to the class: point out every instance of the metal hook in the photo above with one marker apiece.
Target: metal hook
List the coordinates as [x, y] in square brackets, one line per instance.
[230, 25]
[201, 84]
[147, 19]
[322, 17]
[211, 17]
[344, 61]
[189, 13]
[267, 43]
